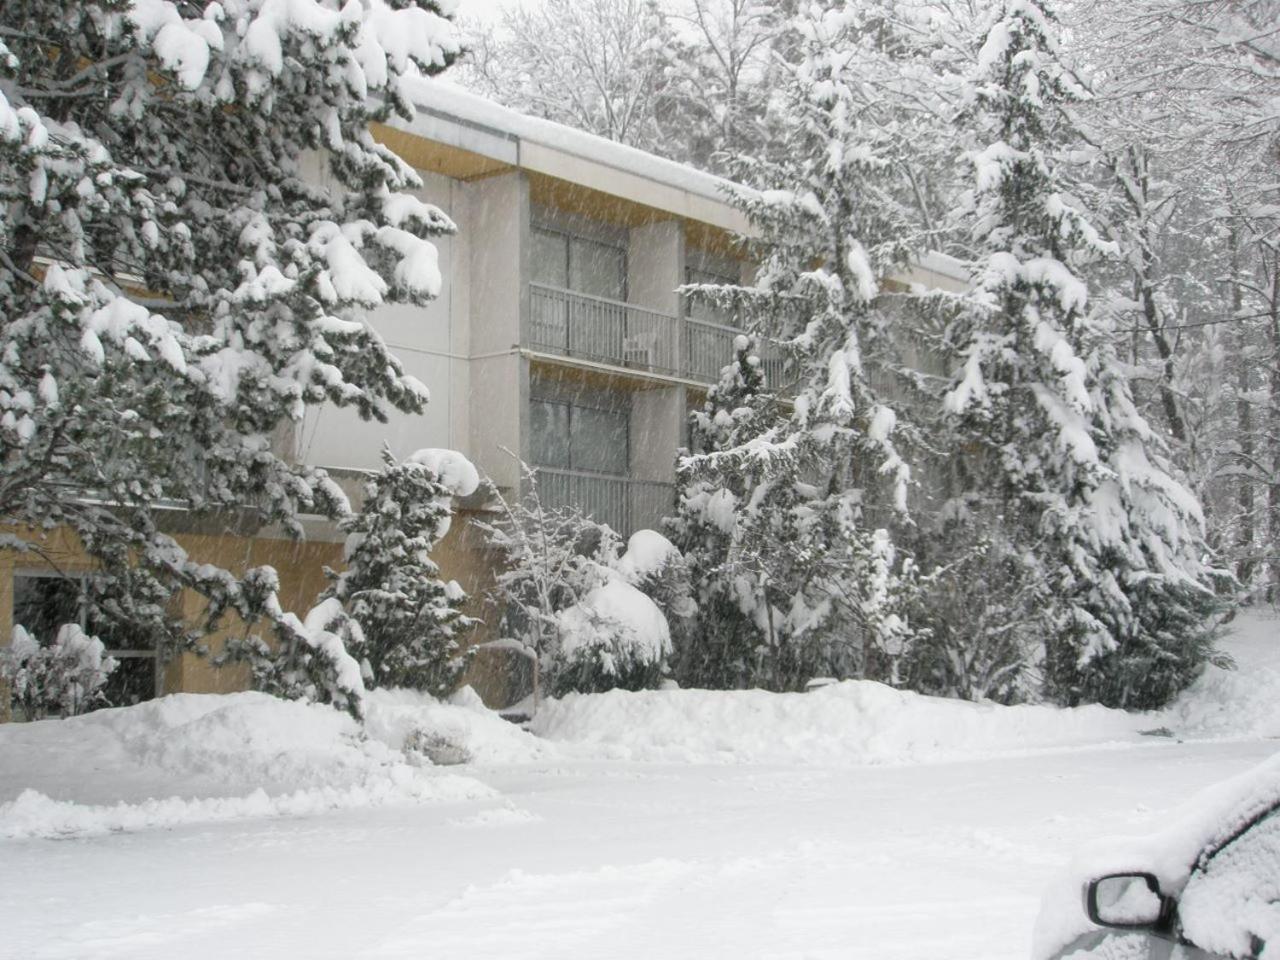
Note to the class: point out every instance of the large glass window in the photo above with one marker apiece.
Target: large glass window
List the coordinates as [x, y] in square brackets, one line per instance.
[570, 436]
[549, 434]
[597, 269]
[550, 260]
[580, 264]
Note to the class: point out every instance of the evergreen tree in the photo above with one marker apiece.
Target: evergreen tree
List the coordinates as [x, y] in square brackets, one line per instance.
[723, 638]
[1055, 453]
[816, 569]
[196, 219]
[409, 622]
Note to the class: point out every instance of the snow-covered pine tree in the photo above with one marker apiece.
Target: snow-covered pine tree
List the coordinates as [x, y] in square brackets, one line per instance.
[816, 569]
[720, 652]
[410, 624]
[195, 219]
[1056, 455]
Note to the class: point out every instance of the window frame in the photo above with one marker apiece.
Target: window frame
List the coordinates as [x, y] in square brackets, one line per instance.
[81, 579]
[567, 238]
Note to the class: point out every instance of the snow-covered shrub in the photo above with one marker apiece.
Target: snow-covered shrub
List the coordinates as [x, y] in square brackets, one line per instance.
[614, 637]
[564, 601]
[410, 621]
[66, 674]
[655, 566]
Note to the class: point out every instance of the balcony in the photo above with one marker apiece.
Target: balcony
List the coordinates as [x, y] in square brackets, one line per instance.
[570, 324]
[708, 348]
[607, 331]
[625, 504]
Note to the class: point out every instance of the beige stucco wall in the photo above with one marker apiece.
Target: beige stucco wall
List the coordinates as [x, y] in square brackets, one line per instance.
[300, 564]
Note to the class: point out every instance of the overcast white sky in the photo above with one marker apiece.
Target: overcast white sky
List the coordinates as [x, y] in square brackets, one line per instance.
[480, 9]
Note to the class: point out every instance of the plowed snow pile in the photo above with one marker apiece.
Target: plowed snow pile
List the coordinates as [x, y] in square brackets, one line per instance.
[190, 758]
[863, 722]
[851, 722]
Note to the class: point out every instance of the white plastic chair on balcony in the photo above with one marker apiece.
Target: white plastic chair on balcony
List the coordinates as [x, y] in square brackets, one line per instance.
[640, 350]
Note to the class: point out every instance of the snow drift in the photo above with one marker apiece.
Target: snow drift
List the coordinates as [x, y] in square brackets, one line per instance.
[863, 722]
[195, 758]
[851, 722]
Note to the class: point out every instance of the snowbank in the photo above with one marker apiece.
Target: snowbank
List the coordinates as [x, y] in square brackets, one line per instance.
[1244, 702]
[395, 716]
[850, 722]
[196, 758]
[864, 722]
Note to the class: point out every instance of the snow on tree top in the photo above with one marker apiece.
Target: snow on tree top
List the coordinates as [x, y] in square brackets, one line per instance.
[647, 553]
[455, 471]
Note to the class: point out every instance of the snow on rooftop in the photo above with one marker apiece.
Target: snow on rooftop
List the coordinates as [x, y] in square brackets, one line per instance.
[442, 98]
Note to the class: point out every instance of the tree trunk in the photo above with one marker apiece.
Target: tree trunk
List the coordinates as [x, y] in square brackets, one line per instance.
[1273, 439]
[1246, 530]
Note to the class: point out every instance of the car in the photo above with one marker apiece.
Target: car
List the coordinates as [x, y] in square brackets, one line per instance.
[1205, 888]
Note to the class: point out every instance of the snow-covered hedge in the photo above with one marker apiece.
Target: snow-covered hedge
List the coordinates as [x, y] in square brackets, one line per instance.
[66, 675]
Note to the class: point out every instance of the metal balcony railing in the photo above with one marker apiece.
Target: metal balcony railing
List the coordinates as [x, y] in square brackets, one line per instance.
[572, 324]
[608, 331]
[625, 504]
[708, 349]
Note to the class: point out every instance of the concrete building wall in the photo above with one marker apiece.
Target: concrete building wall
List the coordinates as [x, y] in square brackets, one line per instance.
[430, 342]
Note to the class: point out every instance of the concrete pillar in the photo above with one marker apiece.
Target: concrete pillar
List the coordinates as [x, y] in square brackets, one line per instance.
[655, 270]
[655, 266]
[498, 209]
[657, 425]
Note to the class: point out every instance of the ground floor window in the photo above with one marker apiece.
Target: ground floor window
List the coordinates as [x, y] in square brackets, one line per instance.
[43, 602]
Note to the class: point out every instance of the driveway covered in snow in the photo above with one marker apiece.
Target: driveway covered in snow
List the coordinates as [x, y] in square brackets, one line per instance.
[597, 846]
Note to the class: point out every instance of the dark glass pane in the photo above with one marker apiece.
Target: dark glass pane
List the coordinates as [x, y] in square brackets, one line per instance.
[549, 262]
[43, 604]
[599, 440]
[549, 434]
[598, 269]
[133, 680]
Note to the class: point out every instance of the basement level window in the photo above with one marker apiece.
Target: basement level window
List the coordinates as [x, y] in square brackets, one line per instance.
[43, 602]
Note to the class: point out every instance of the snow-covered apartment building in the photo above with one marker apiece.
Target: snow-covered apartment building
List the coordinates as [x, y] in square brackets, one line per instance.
[559, 340]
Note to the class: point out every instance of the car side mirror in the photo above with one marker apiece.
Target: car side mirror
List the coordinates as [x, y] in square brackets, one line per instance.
[1127, 901]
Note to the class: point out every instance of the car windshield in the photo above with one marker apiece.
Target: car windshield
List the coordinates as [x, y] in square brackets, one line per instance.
[1231, 904]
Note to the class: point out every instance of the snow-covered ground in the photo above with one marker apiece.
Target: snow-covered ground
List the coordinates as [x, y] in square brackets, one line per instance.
[849, 822]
